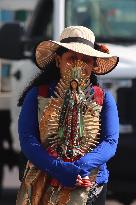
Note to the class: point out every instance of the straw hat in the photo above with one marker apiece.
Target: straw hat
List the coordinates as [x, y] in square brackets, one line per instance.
[79, 39]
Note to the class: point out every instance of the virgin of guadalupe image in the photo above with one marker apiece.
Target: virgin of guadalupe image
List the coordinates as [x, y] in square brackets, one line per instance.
[70, 129]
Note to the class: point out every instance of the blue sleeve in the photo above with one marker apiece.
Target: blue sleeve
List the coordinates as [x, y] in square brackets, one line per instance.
[30, 144]
[109, 137]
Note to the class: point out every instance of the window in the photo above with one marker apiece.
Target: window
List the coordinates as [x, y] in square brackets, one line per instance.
[108, 19]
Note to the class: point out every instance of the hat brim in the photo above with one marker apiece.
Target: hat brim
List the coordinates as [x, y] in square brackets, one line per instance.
[46, 52]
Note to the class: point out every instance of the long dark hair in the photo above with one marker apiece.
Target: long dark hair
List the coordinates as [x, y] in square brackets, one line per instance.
[48, 74]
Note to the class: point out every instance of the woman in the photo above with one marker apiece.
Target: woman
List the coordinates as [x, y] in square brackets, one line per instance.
[68, 126]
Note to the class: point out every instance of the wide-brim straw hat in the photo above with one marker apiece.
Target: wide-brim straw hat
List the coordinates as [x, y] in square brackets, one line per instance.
[78, 39]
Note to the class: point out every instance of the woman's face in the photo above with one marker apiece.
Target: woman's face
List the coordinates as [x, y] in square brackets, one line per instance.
[70, 57]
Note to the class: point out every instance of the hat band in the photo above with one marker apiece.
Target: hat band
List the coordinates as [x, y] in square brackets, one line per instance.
[78, 40]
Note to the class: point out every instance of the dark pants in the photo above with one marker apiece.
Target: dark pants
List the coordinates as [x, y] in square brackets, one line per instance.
[101, 199]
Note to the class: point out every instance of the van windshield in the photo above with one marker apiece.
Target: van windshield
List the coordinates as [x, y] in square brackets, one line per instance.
[110, 20]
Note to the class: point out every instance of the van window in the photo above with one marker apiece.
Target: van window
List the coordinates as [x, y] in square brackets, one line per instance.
[108, 19]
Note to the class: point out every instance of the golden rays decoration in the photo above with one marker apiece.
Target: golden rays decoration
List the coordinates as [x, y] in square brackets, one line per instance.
[49, 122]
[77, 72]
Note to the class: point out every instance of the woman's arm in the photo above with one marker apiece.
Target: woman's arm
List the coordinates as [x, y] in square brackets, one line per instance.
[109, 137]
[28, 129]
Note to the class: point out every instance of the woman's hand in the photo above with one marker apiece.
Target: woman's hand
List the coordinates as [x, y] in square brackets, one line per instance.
[84, 182]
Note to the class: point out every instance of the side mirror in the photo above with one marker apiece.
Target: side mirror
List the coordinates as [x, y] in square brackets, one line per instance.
[11, 46]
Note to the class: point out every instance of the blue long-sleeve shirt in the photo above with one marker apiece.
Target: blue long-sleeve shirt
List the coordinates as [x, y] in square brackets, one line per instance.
[67, 172]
